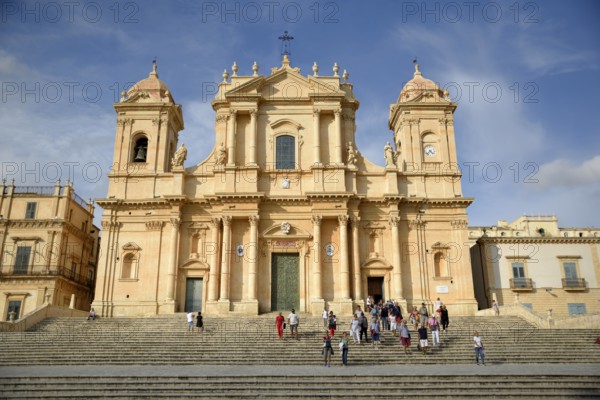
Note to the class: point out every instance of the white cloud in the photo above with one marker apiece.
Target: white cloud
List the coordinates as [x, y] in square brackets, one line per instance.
[563, 173]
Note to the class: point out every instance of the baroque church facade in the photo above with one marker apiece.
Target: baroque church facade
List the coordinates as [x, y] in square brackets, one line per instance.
[285, 212]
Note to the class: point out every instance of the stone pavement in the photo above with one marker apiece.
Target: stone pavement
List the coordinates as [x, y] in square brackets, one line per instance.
[88, 371]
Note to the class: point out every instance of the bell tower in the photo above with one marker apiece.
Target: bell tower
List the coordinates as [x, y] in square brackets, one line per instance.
[148, 125]
[423, 126]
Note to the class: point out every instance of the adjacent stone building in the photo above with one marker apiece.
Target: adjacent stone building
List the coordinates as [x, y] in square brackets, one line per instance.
[543, 266]
[49, 248]
[285, 212]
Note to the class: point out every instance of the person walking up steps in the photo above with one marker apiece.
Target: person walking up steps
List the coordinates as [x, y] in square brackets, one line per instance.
[199, 322]
[279, 321]
[478, 346]
[293, 320]
[444, 318]
[190, 321]
[325, 318]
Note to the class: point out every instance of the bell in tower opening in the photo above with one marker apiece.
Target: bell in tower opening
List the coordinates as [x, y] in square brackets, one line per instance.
[141, 146]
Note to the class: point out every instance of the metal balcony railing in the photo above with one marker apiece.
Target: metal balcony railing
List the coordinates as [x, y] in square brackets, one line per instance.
[573, 283]
[521, 284]
[43, 271]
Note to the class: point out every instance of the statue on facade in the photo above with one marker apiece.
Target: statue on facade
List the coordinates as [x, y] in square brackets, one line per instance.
[390, 156]
[351, 161]
[221, 155]
[180, 156]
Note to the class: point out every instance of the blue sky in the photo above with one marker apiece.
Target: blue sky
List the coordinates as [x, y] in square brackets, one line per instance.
[526, 75]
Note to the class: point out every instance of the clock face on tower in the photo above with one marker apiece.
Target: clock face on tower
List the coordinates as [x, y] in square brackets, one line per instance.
[429, 150]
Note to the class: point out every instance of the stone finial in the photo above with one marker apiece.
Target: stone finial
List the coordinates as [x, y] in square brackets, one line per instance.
[255, 69]
[234, 69]
[225, 75]
[345, 75]
[315, 69]
[286, 61]
[336, 69]
[123, 96]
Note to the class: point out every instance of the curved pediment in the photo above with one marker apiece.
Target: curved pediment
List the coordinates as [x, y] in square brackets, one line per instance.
[286, 124]
[279, 232]
[377, 262]
[194, 264]
[131, 246]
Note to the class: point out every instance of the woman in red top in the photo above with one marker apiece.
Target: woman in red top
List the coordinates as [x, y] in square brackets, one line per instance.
[279, 322]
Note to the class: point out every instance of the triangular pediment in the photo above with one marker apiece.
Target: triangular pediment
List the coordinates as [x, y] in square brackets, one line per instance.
[285, 230]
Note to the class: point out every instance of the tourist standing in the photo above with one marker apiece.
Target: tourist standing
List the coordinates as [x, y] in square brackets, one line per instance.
[404, 337]
[424, 314]
[325, 318]
[190, 321]
[423, 343]
[478, 346]
[355, 329]
[437, 305]
[279, 321]
[364, 327]
[327, 349]
[344, 348]
[496, 308]
[293, 320]
[375, 333]
[434, 327]
[414, 317]
[444, 318]
[332, 324]
[384, 319]
[199, 322]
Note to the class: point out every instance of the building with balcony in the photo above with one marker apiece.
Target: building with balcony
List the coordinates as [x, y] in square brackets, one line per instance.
[546, 266]
[48, 246]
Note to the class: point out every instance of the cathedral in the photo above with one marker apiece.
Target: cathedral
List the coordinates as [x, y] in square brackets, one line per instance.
[285, 212]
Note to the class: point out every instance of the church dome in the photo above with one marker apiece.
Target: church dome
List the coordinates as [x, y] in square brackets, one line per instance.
[152, 86]
[417, 86]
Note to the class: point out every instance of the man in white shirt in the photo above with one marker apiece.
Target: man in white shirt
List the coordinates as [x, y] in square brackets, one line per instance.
[190, 321]
[293, 320]
[478, 346]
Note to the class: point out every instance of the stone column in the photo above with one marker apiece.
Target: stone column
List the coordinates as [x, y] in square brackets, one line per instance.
[172, 271]
[225, 257]
[213, 283]
[317, 136]
[337, 151]
[231, 128]
[253, 257]
[252, 146]
[344, 265]
[356, 259]
[317, 284]
[397, 271]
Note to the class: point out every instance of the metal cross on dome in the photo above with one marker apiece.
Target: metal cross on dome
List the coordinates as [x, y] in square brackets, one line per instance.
[285, 43]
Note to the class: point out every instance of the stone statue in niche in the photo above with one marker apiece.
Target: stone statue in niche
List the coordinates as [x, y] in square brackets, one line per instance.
[221, 155]
[390, 156]
[179, 157]
[351, 155]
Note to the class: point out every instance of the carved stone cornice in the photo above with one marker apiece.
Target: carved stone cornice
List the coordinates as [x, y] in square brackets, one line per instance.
[110, 225]
[459, 224]
[154, 225]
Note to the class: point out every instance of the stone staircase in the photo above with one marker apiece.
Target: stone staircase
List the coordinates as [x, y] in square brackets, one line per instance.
[242, 357]
[253, 340]
[302, 387]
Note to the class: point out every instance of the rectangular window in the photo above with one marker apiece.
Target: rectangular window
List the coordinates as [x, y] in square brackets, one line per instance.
[518, 270]
[14, 306]
[285, 152]
[576, 308]
[22, 261]
[570, 271]
[30, 212]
